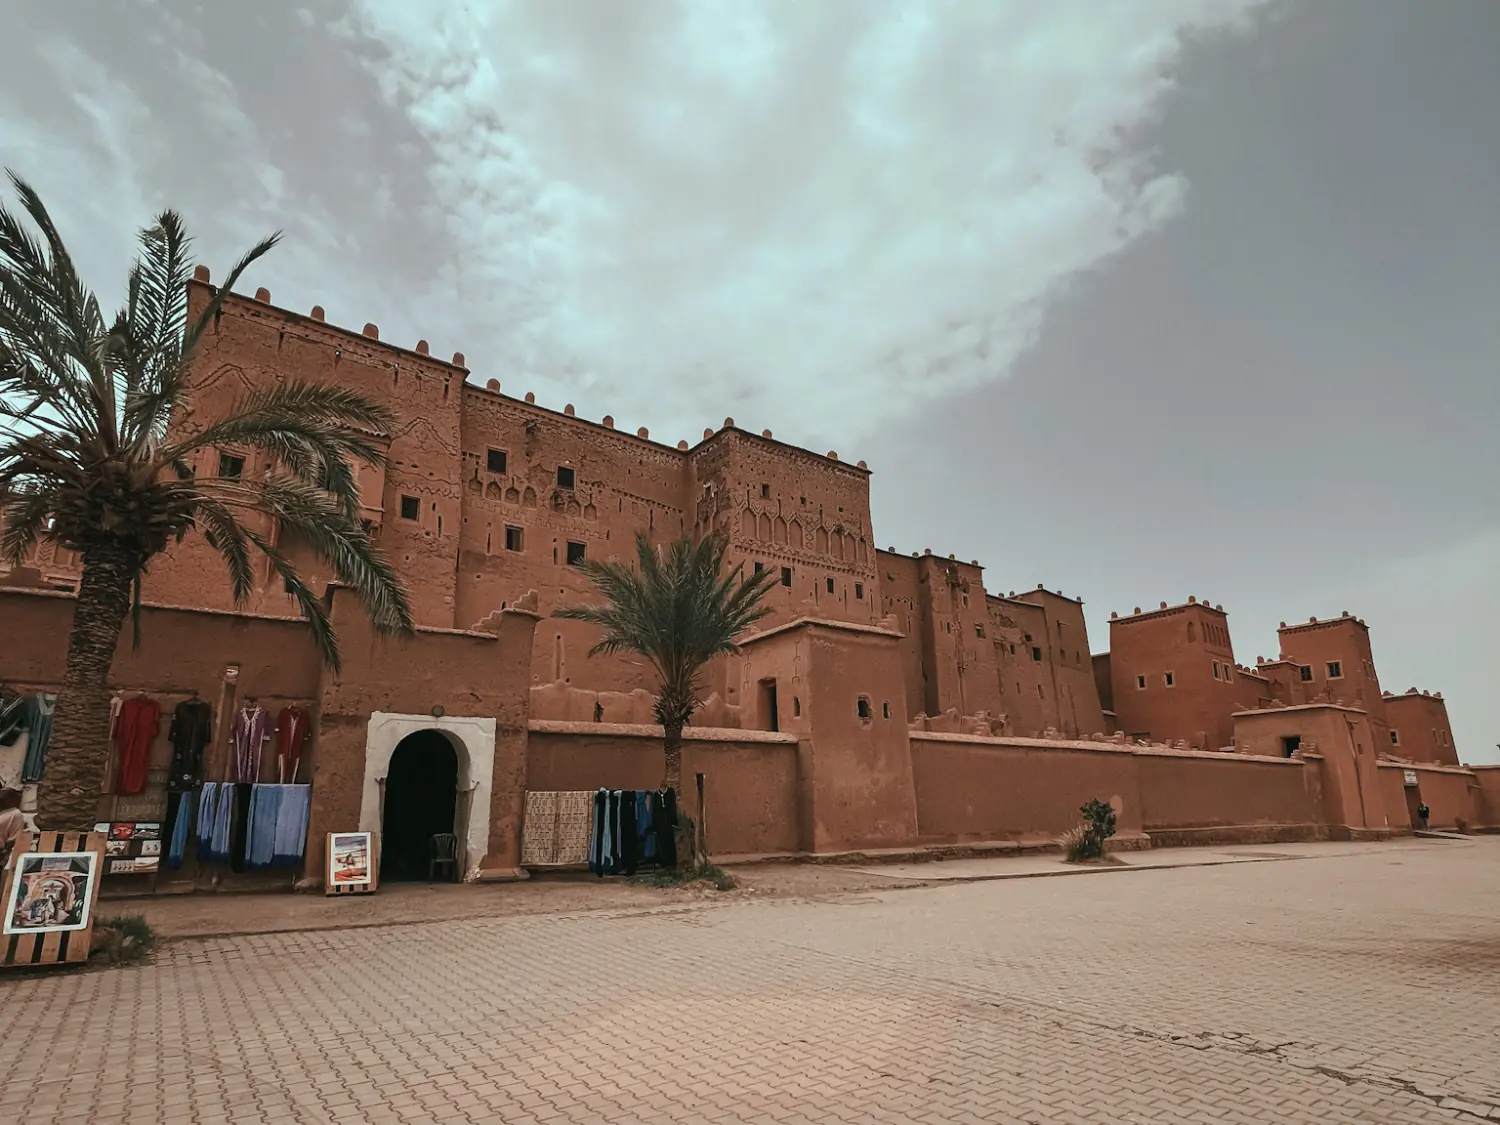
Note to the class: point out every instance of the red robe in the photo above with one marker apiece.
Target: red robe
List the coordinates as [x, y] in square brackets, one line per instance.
[135, 730]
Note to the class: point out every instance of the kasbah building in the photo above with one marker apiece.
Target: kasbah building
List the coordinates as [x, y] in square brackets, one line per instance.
[891, 704]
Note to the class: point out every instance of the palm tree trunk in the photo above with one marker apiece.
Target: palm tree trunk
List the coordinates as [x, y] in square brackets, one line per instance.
[68, 799]
[672, 741]
[672, 779]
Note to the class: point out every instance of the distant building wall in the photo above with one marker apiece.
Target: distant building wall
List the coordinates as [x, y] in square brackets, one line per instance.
[1419, 727]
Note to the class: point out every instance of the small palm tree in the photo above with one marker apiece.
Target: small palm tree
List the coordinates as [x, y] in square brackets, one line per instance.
[88, 458]
[679, 612]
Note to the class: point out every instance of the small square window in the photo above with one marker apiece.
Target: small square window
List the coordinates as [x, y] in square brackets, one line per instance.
[978, 629]
[786, 576]
[411, 508]
[765, 492]
[1395, 737]
[1012, 650]
[514, 538]
[1216, 669]
[759, 567]
[1170, 678]
[1228, 675]
[230, 466]
[830, 585]
[1028, 638]
[859, 591]
[577, 552]
[886, 708]
[1304, 671]
[1140, 683]
[863, 707]
[1036, 653]
[494, 461]
[565, 477]
[1335, 670]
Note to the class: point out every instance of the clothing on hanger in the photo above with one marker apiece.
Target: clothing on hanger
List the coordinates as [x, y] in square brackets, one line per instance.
[291, 736]
[260, 834]
[40, 709]
[191, 730]
[251, 729]
[136, 729]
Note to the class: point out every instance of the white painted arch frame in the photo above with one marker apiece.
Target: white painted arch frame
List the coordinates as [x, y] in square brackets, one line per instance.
[473, 740]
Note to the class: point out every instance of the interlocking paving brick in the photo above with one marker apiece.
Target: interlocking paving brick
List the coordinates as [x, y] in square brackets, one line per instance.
[1355, 988]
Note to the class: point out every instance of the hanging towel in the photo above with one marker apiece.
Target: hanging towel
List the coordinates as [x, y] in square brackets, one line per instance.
[643, 826]
[180, 830]
[218, 844]
[596, 834]
[207, 806]
[290, 832]
[260, 828]
[39, 711]
[611, 831]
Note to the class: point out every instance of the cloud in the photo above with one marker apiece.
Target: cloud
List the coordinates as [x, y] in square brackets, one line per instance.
[813, 214]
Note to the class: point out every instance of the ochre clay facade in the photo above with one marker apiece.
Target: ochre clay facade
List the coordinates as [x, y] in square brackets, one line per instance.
[889, 702]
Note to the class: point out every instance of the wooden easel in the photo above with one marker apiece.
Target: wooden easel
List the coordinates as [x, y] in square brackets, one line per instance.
[23, 950]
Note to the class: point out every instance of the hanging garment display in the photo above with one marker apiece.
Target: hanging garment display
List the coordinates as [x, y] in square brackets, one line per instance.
[291, 736]
[135, 730]
[40, 709]
[252, 724]
[192, 728]
[632, 829]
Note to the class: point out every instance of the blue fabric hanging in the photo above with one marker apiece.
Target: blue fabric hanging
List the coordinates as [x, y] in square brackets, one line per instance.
[290, 830]
[180, 831]
[260, 833]
[39, 711]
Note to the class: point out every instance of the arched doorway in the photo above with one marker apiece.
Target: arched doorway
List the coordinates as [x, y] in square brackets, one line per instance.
[421, 796]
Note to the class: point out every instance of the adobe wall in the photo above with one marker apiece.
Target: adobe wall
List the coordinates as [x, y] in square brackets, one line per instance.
[1023, 657]
[750, 777]
[1194, 796]
[1451, 795]
[1420, 729]
[1075, 710]
[1486, 797]
[1191, 642]
[182, 651]
[480, 674]
[622, 484]
[254, 345]
[1346, 640]
[1348, 747]
[972, 789]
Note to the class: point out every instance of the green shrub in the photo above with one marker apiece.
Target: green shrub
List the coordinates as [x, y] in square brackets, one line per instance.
[685, 877]
[122, 940]
[1086, 840]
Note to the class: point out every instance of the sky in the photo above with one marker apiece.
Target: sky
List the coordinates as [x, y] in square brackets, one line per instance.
[1135, 299]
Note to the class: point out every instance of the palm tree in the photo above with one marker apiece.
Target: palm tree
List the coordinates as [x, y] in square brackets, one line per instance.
[88, 457]
[677, 611]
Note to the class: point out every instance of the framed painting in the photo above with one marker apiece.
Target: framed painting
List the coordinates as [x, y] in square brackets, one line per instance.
[51, 892]
[351, 863]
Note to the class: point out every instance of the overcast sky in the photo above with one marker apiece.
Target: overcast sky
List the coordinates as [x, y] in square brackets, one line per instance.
[1136, 298]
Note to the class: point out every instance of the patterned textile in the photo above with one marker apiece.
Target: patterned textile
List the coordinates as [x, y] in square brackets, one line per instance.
[291, 736]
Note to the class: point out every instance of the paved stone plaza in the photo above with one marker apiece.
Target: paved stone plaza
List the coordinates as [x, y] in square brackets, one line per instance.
[1358, 985]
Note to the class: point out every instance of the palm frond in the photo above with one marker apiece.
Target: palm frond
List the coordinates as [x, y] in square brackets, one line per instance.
[310, 604]
[224, 534]
[23, 520]
[673, 608]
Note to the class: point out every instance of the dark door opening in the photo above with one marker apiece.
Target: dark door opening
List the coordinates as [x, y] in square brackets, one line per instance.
[421, 793]
[1290, 744]
[768, 708]
[1414, 807]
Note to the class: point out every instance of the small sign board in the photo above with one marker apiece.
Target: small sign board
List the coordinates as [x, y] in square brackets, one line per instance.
[1409, 777]
[352, 863]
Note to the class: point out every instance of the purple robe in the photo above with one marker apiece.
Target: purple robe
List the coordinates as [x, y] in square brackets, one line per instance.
[252, 727]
